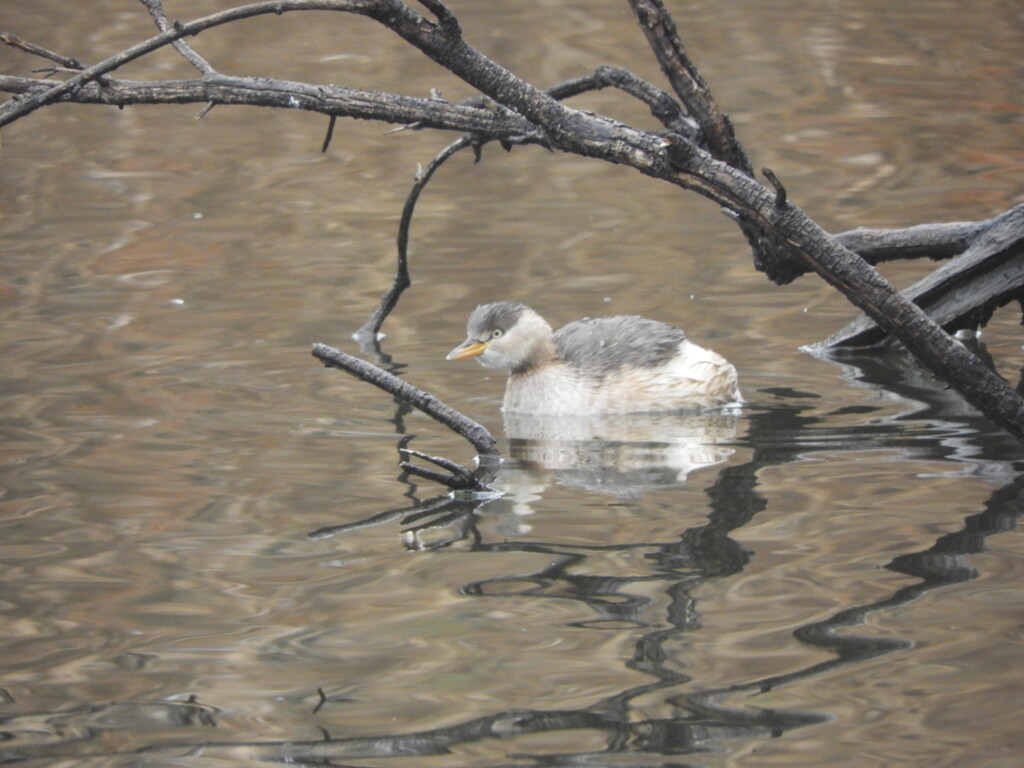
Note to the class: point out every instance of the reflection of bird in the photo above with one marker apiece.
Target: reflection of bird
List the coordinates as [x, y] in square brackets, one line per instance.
[623, 364]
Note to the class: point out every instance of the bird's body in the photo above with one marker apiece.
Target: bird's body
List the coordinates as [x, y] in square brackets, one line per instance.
[621, 364]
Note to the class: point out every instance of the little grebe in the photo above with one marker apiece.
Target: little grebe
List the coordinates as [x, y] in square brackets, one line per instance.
[622, 364]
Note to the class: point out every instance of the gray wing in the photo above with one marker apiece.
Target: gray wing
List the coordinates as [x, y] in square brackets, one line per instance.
[602, 345]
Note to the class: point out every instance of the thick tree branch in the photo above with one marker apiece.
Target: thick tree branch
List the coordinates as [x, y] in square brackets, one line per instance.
[865, 288]
[933, 241]
[964, 292]
[686, 80]
[284, 94]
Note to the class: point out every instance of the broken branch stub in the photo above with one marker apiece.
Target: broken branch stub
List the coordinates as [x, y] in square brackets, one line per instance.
[964, 292]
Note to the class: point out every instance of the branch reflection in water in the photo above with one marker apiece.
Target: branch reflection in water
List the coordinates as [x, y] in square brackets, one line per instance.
[579, 454]
[779, 428]
[622, 455]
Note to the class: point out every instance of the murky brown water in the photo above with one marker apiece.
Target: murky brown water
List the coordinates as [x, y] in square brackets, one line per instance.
[832, 578]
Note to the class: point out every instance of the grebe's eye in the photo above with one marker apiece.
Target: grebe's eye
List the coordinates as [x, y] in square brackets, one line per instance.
[496, 333]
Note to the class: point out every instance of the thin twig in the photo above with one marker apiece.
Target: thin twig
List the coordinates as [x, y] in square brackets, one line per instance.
[668, 111]
[454, 482]
[445, 17]
[322, 701]
[441, 461]
[330, 134]
[156, 10]
[12, 111]
[458, 478]
[37, 50]
[370, 330]
[205, 110]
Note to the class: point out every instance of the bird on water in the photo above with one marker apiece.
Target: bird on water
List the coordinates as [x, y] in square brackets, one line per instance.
[594, 366]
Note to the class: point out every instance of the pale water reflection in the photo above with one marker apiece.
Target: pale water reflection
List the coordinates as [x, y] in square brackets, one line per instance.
[830, 576]
[620, 455]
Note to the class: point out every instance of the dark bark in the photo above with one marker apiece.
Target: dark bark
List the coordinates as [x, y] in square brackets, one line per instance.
[324, 99]
[867, 289]
[458, 477]
[770, 256]
[932, 241]
[368, 334]
[689, 85]
[964, 292]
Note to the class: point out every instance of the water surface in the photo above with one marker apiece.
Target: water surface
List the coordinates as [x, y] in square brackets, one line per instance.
[830, 577]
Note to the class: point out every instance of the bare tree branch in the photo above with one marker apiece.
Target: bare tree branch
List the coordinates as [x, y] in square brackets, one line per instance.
[37, 50]
[284, 94]
[156, 10]
[964, 292]
[458, 478]
[934, 241]
[657, 24]
[476, 434]
[14, 110]
[784, 239]
[662, 106]
[370, 330]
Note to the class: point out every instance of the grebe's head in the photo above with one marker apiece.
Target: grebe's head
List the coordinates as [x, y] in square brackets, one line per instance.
[506, 335]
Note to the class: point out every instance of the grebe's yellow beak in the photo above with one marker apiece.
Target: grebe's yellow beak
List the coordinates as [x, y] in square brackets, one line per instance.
[468, 349]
